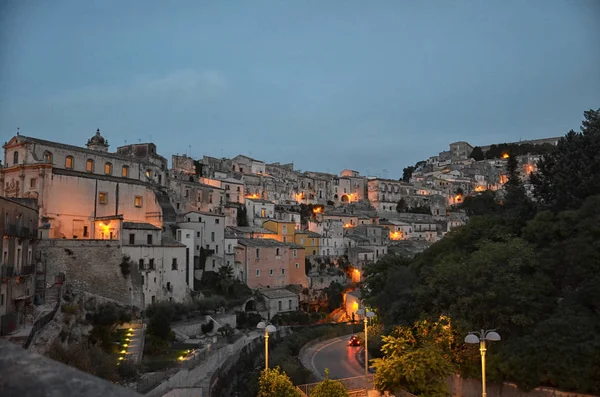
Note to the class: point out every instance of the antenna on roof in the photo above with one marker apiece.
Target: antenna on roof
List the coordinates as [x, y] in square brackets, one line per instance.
[18, 131]
[190, 150]
[125, 141]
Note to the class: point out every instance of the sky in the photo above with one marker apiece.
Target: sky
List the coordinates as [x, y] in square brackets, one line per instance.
[328, 85]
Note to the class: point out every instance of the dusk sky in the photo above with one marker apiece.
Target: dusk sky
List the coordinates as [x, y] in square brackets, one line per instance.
[328, 85]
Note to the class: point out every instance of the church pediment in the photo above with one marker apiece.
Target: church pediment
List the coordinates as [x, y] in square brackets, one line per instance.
[15, 141]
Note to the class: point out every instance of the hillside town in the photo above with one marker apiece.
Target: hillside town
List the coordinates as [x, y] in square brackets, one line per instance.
[84, 213]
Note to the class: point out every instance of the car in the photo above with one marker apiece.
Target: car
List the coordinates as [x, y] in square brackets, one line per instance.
[354, 341]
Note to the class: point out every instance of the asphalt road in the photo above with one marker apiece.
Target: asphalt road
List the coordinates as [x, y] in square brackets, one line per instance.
[338, 357]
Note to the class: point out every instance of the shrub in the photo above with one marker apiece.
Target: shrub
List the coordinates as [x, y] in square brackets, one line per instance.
[212, 304]
[247, 320]
[69, 309]
[87, 358]
[154, 345]
[160, 323]
[208, 327]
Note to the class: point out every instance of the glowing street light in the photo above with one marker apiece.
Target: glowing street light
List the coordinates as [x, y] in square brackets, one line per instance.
[268, 328]
[367, 315]
[480, 337]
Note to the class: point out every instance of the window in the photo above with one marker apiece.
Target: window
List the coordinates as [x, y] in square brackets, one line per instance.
[131, 238]
[138, 201]
[198, 234]
[141, 264]
[289, 304]
[108, 169]
[210, 198]
[187, 193]
[282, 272]
[216, 221]
[48, 156]
[174, 264]
[149, 239]
[276, 251]
[212, 237]
[86, 232]
[270, 272]
[297, 266]
[103, 197]
[69, 162]
[149, 173]
[257, 253]
[89, 165]
[302, 240]
[16, 158]
[257, 272]
[214, 263]
[295, 253]
[33, 183]
[125, 171]
[151, 264]
[279, 305]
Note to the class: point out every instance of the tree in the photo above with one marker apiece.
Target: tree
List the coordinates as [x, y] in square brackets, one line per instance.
[414, 359]
[477, 154]
[484, 203]
[568, 175]
[160, 322]
[407, 173]
[275, 383]
[460, 191]
[242, 216]
[329, 388]
[401, 206]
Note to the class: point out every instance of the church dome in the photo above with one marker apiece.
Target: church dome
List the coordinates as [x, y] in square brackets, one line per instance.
[97, 142]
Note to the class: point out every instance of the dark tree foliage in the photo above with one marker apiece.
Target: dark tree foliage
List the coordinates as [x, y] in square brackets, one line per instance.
[407, 173]
[517, 149]
[536, 281]
[242, 216]
[402, 206]
[572, 172]
[484, 203]
[334, 293]
[477, 154]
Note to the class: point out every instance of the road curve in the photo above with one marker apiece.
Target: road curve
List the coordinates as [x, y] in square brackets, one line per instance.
[337, 356]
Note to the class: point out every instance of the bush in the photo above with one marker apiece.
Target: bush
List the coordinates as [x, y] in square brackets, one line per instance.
[154, 345]
[69, 309]
[211, 305]
[246, 320]
[208, 327]
[87, 358]
[160, 323]
[227, 331]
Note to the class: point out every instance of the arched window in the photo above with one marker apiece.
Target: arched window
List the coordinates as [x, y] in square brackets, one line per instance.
[125, 171]
[108, 169]
[16, 158]
[89, 165]
[48, 156]
[69, 162]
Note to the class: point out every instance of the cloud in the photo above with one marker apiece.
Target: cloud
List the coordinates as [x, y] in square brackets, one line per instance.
[187, 84]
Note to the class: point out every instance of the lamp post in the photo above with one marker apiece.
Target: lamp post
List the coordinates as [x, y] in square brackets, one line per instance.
[268, 328]
[480, 337]
[367, 315]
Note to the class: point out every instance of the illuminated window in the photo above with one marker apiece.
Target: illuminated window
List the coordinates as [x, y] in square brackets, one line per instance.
[138, 201]
[149, 173]
[69, 162]
[89, 165]
[102, 197]
[48, 156]
[108, 169]
[125, 171]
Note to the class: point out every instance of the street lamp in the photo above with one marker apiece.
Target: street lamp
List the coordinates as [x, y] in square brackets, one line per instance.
[480, 337]
[367, 315]
[268, 328]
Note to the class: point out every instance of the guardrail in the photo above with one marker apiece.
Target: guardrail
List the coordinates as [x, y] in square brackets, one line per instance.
[43, 321]
[350, 384]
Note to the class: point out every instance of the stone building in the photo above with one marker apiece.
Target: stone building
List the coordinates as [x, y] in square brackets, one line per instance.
[19, 230]
[161, 261]
[76, 186]
[384, 194]
[209, 238]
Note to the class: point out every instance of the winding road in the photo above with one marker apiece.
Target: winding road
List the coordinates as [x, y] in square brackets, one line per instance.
[337, 356]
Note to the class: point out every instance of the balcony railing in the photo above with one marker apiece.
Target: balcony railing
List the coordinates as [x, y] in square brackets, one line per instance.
[15, 230]
[7, 271]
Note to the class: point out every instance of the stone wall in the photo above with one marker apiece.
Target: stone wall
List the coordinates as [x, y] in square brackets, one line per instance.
[93, 266]
[460, 387]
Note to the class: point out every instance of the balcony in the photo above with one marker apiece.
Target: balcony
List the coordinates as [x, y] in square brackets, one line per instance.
[7, 271]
